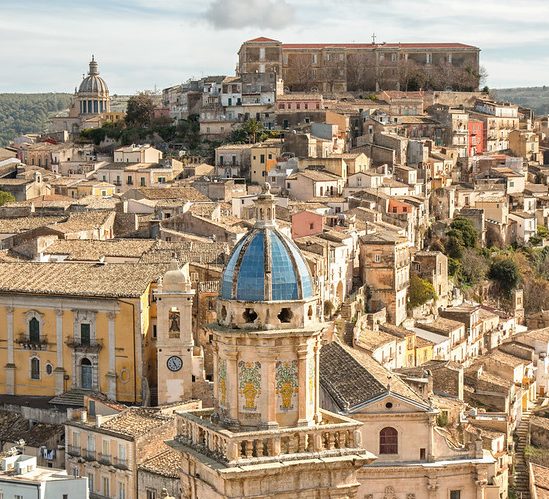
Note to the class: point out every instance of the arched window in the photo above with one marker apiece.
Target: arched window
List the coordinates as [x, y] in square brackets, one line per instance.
[388, 441]
[35, 368]
[34, 330]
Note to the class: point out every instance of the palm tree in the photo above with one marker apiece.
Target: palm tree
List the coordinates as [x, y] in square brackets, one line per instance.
[252, 128]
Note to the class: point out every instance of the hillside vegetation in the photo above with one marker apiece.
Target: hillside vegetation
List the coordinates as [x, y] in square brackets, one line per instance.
[28, 113]
[535, 98]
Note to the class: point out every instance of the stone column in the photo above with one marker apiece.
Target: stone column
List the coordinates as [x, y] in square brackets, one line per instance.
[303, 419]
[59, 371]
[10, 366]
[111, 375]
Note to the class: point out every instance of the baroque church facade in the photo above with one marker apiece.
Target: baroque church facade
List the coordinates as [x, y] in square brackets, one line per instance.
[266, 435]
[90, 106]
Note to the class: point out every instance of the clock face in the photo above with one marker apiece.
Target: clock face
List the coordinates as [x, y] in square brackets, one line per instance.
[174, 363]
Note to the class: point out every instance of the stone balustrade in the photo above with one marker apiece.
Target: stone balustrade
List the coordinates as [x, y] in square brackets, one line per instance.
[337, 435]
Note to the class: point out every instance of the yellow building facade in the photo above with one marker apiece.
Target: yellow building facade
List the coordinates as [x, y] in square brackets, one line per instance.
[77, 326]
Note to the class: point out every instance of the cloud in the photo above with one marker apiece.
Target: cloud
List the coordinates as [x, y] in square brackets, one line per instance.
[228, 14]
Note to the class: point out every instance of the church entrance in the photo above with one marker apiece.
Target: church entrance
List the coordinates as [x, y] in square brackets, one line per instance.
[86, 374]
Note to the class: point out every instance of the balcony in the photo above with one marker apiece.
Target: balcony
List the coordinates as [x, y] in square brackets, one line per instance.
[88, 455]
[120, 463]
[335, 436]
[27, 343]
[90, 346]
[104, 458]
[72, 450]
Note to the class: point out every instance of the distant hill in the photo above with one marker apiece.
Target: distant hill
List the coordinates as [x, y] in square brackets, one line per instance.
[535, 98]
[28, 113]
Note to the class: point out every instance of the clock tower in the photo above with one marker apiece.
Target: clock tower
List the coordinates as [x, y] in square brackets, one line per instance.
[179, 361]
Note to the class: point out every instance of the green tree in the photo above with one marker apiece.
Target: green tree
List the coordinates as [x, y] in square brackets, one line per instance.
[506, 274]
[464, 229]
[6, 197]
[421, 291]
[139, 112]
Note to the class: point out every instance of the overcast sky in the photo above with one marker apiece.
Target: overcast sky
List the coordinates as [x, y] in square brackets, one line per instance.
[45, 45]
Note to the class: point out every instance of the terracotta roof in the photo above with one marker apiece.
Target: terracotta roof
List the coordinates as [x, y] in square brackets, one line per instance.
[353, 378]
[86, 220]
[371, 340]
[441, 326]
[377, 45]
[316, 175]
[180, 193]
[14, 426]
[167, 462]
[134, 422]
[92, 250]
[23, 224]
[78, 279]
[541, 480]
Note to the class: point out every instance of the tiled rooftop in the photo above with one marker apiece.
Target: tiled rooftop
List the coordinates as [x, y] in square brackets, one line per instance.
[14, 426]
[167, 462]
[353, 378]
[78, 279]
[23, 224]
[92, 250]
[135, 422]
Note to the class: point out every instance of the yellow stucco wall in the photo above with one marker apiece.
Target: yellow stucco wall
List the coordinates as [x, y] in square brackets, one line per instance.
[127, 347]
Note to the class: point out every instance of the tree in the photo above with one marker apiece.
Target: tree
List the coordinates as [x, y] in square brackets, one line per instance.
[420, 292]
[252, 128]
[506, 274]
[6, 197]
[463, 228]
[140, 110]
[474, 267]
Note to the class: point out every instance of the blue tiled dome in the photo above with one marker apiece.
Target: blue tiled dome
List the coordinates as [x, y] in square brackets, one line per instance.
[265, 265]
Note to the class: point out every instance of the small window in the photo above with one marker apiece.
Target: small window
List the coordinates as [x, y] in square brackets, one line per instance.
[455, 494]
[151, 494]
[311, 226]
[49, 369]
[377, 258]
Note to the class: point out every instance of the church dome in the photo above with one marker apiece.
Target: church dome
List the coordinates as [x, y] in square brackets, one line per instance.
[93, 83]
[266, 265]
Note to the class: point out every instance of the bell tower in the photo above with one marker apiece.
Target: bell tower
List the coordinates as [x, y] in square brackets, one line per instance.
[177, 364]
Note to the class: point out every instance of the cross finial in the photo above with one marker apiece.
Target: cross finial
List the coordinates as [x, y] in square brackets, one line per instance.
[374, 38]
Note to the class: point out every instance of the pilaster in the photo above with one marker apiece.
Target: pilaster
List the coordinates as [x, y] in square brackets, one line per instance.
[111, 374]
[10, 366]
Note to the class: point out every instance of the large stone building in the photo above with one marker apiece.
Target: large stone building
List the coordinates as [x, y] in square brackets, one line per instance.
[266, 435]
[339, 67]
[90, 106]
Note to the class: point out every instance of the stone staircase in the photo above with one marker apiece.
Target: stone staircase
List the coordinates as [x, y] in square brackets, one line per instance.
[521, 478]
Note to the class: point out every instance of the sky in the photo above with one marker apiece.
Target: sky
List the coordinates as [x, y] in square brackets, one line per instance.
[46, 45]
